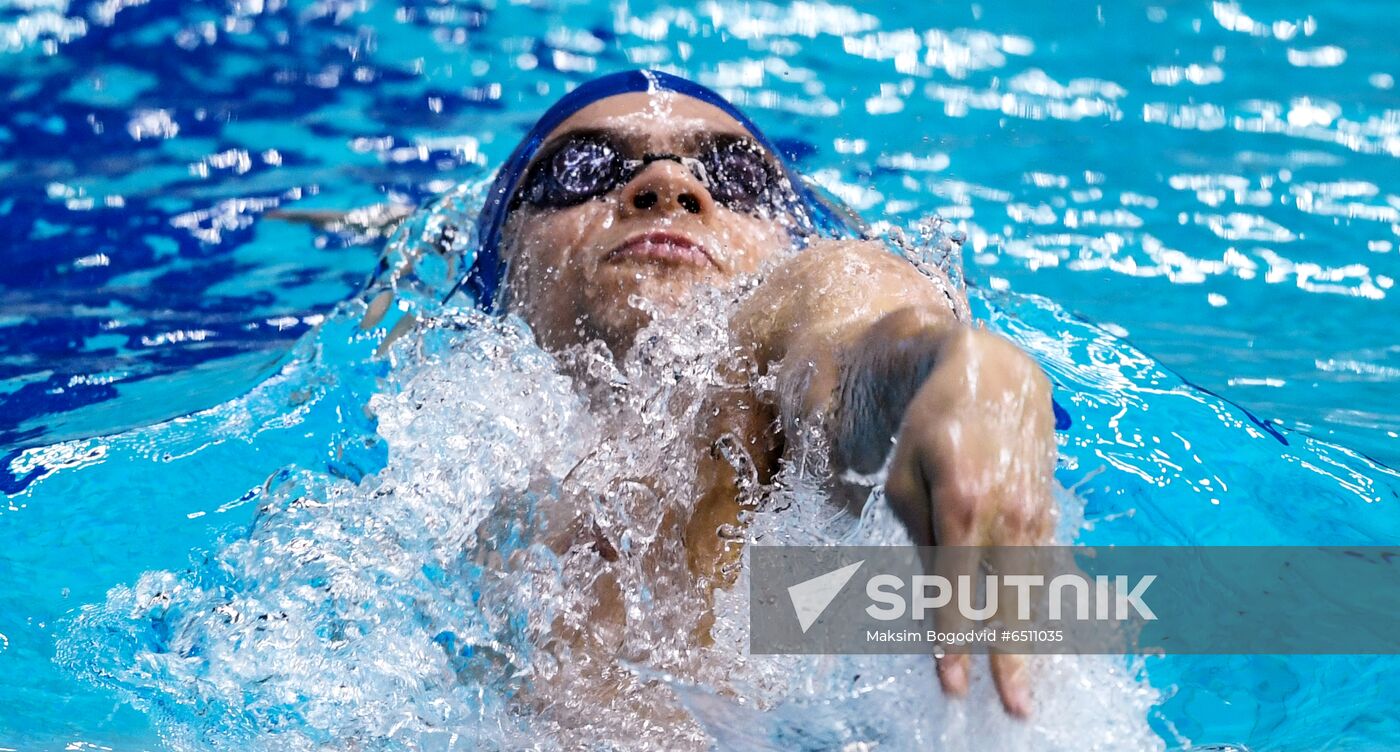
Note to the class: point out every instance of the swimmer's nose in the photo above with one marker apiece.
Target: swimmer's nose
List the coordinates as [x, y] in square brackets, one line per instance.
[666, 186]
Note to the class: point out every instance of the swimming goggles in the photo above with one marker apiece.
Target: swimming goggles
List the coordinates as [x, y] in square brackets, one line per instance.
[581, 167]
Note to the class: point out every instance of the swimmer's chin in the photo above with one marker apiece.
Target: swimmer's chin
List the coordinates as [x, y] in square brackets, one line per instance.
[617, 322]
[650, 283]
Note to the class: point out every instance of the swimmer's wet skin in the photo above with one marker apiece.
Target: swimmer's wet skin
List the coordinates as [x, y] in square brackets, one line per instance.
[639, 189]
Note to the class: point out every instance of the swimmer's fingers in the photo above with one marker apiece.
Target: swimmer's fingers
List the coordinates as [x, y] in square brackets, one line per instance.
[400, 328]
[1024, 520]
[1011, 674]
[952, 673]
[926, 487]
[957, 565]
[910, 496]
[1010, 670]
[983, 516]
[321, 219]
[378, 218]
[376, 308]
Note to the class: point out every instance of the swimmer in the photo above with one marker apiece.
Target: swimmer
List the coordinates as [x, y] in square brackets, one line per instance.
[640, 188]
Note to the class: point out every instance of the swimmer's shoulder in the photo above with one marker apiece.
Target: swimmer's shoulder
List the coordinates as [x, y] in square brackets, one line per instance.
[826, 286]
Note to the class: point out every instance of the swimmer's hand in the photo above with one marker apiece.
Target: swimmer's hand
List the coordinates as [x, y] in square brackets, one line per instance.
[874, 350]
[973, 466]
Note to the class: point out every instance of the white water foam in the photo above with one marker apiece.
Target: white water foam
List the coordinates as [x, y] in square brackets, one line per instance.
[459, 598]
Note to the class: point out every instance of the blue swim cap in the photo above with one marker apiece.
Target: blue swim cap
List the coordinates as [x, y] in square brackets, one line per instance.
[814, 213]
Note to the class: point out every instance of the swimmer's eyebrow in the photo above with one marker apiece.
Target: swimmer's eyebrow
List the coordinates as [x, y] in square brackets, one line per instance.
[581, 134]
[687, 141]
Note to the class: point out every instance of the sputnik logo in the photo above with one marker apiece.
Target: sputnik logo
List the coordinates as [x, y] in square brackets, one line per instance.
[811, 597]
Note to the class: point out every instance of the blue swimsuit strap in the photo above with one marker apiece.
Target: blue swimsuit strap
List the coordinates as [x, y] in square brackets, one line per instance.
[483, 280]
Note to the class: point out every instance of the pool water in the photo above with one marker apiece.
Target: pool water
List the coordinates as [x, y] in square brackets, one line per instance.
[1208, 183]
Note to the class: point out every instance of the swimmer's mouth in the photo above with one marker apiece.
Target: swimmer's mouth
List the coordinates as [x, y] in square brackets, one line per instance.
[661, 248]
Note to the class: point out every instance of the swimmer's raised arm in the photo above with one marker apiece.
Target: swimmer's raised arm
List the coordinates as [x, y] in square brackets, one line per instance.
[869, 348]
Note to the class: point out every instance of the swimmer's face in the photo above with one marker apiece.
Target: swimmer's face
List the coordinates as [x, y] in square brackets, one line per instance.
[579, 262]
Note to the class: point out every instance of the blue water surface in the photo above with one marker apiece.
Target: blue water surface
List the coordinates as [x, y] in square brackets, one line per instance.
[1212, 183]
